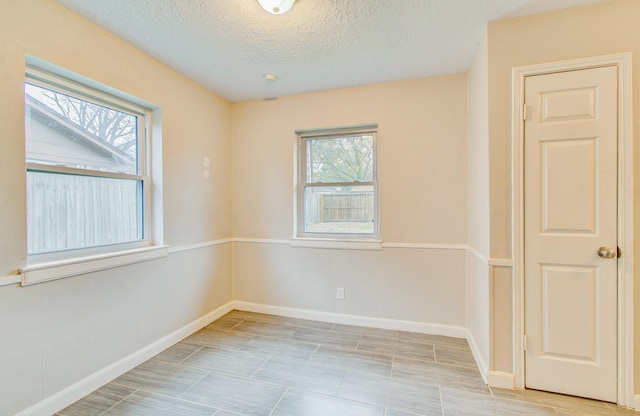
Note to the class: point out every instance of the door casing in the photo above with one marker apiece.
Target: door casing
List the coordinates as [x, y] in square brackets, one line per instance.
[625, 214]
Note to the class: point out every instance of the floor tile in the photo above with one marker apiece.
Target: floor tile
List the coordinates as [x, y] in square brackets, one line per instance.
[265, 329]
[178, 352]
[441, 375]
[454, 356]
[567, 412]
[397, 394]
[301, 376]
[461, 403]
[219, 338]
[161, 377]
[327, 337]
[304, 323]
[224, 323]
[353, 360]
[378, 332]
[254, 316]
[594, 408]
[149, 404]
[296, 403]
[394, 412]
[247, 397]
[620, 411]
[434, 339]
[99, 401]
[284, 366]
[396, 347]
[270, 347]
[233, 362]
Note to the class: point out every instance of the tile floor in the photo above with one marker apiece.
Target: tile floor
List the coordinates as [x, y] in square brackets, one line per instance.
[248, 364]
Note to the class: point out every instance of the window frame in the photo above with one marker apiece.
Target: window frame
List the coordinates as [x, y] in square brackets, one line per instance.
[335, 239]
[81, 90]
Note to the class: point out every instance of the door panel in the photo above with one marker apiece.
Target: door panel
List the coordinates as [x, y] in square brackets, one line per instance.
[570, 211]
[560, 282]
[568, 203]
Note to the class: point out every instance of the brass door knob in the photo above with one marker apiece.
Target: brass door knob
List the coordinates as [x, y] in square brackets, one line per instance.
[608, 253]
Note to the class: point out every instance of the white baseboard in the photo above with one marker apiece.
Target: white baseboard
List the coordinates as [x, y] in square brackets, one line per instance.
[500, 380]
[475, 350]
[636, 402]
[75, 392]
[410, 326]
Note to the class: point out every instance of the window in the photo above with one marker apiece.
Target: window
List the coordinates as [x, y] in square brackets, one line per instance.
[337, 183]
[87, 175]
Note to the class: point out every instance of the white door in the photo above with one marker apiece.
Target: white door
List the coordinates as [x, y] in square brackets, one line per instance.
[570, 181]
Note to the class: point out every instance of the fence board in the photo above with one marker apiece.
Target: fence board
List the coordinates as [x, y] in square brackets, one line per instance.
[67, 212]
[336, 207]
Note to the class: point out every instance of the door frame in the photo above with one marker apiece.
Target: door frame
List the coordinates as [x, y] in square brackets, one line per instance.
[625, 340]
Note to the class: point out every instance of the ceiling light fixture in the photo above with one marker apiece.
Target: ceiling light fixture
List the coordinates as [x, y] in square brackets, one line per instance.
[276, 6]
[270, 78]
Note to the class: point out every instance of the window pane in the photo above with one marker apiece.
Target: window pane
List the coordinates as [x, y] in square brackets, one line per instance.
[67, 212]
[340, 159]
[68, 131]
[339, 210]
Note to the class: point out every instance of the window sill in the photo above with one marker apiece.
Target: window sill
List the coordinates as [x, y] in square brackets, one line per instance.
[42, 272]
[336, 244]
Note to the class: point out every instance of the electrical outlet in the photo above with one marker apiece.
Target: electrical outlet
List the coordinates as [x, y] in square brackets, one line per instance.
[340, 293]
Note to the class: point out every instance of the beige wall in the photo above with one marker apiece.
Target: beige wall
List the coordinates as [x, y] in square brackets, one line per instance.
[478, 142]
[477, 282]
[423, 191]
[421, 154]
[601, 29]
[54, 334]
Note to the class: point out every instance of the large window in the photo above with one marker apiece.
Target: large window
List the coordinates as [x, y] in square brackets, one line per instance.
[87, 173]
[337, 186]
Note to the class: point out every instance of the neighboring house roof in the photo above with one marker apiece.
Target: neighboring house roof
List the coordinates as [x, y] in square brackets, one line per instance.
[94, 147]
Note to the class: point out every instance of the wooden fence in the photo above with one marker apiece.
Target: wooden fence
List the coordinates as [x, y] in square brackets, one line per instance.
[66, 212]
[339, 207]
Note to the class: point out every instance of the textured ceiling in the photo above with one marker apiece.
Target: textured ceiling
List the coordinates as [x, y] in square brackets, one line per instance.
[229, 45]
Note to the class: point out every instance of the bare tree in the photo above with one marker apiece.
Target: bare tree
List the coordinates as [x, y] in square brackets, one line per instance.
[114, 127]
[347, 159]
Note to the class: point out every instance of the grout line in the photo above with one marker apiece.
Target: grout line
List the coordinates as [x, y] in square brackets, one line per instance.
[125, 398]
[358, 343]
[544, 405]
[156, 393]
[260, 367]
[190, 355]
[279, 401]
[193, 385]
[312, 354]
[441, 400]
[393, 364]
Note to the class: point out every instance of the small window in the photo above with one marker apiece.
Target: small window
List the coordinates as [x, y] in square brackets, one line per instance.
[337, 185]
[87, 180]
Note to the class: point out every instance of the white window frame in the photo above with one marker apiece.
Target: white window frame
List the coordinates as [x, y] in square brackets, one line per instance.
[54, 265]
[334, 240]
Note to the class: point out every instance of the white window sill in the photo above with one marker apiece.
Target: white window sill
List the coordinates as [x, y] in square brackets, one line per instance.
[42, 272]
[336, 244]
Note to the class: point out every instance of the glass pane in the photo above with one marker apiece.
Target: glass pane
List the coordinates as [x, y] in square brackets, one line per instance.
[340, 159]
[68, 131]
[339, 210]
[66, 212]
